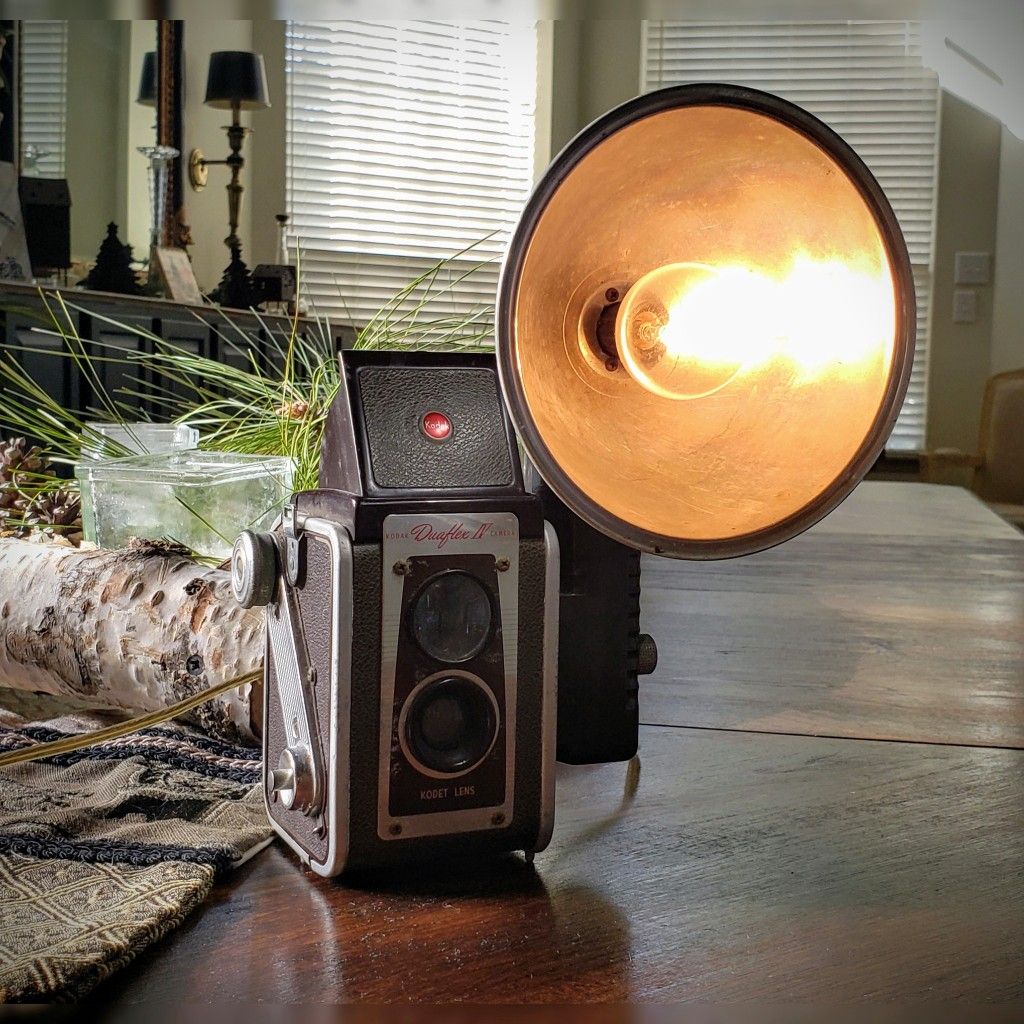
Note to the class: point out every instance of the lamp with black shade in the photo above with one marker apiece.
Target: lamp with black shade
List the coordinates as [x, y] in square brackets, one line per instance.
[147, 81]
[236, 81]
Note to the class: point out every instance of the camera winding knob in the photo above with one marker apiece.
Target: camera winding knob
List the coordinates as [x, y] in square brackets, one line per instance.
[253, 568]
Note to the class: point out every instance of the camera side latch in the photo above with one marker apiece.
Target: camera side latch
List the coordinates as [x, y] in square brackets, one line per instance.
[256, 579]
[297, 782]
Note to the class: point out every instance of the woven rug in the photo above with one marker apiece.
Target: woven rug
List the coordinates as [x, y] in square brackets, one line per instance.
[105, 850]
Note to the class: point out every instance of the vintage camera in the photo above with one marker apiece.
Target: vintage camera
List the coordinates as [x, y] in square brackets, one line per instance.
[705, 325]
[413, 607]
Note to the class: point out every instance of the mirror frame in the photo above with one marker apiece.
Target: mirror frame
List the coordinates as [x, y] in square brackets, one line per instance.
[174, 231]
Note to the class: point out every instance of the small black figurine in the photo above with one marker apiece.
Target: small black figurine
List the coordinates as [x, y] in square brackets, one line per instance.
[236, 288]
[113, 270]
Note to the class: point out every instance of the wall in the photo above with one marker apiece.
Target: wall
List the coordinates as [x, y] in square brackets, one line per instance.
[1008, 301]
[596, 66]
[966, 214]
[107, 175]
[95, 138]
[138, 128]
[266, 170]
[565, 83]
[609, 65]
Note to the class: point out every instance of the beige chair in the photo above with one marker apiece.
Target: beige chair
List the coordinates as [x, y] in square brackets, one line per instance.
[996, 472]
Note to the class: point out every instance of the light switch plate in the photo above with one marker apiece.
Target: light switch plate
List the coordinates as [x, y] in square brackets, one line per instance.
[972, 268]
[965, 306]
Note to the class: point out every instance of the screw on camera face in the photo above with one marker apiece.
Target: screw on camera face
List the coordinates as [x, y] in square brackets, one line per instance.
[502, 564]
[396, 829]
[402, 567]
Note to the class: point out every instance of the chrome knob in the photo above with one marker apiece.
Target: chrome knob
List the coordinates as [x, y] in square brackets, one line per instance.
[292, 779]
[253, 568]
[283, 779]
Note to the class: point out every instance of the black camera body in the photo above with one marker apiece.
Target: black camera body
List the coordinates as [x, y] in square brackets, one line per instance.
[417, 695]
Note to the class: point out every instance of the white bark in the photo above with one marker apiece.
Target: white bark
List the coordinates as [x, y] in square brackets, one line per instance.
[134, 629]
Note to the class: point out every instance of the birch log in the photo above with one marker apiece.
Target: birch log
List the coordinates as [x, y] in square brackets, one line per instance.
[134, 629]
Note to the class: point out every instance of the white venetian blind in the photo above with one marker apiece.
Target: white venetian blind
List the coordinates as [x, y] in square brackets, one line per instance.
[867, 82]
[44, 96]
[407, 142]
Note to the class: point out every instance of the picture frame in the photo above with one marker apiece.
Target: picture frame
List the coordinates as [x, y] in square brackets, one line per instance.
[176, 275]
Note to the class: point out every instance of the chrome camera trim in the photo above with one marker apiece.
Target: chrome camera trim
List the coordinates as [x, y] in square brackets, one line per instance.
[336, 809]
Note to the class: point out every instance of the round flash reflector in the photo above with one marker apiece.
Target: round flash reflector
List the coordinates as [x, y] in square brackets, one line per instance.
[705, 322]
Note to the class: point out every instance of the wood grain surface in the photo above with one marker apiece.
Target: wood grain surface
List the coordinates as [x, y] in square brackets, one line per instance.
[746, 868]
[756, 863]
[900, 616]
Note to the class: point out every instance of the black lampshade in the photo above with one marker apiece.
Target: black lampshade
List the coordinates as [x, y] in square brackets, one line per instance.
[237, 77]
[147, 83]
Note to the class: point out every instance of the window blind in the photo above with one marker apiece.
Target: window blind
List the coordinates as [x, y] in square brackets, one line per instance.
[407, 144]
[44, 96]
[867, 82]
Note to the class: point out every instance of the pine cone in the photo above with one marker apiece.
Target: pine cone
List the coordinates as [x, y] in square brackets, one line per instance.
[12, 510]
[56, 512]
[19, 460]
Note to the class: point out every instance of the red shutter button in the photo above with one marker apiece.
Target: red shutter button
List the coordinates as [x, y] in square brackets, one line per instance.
[435, 426]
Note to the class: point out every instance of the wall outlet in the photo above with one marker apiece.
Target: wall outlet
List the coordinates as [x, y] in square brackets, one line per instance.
[965, 306]
[972, 268]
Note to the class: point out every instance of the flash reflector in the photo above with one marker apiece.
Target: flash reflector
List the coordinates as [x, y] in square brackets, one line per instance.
[706, 321]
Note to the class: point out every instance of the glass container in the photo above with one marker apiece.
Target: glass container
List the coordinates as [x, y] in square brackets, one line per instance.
[197, 498]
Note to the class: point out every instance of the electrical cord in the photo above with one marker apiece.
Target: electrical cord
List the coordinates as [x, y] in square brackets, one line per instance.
[113, 732]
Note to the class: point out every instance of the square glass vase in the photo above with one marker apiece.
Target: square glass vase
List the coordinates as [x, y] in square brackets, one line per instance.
[201, 499]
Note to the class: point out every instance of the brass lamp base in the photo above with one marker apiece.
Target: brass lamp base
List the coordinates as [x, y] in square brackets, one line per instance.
[198, 172]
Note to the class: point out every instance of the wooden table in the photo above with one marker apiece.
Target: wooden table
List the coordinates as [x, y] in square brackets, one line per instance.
[830, 807]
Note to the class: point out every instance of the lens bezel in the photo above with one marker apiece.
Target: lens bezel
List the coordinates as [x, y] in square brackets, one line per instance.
[415, 696]
[417, 596]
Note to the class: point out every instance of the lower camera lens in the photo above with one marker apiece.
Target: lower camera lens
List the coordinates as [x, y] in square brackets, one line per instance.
[450, 724]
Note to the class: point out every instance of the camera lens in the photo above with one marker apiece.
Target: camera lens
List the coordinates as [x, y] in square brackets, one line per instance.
[450, 724]
[451, 617]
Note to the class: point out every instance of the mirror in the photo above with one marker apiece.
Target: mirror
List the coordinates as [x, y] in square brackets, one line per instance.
[93, 101]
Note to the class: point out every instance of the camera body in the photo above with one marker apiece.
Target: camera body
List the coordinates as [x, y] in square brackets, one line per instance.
[413, 679]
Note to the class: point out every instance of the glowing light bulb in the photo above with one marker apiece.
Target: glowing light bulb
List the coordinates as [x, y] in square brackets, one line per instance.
[687, 330]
